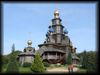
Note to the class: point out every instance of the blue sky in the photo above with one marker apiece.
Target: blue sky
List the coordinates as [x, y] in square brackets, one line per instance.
[19, 19]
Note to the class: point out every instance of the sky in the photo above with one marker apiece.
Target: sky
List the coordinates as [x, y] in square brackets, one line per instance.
[30, 21]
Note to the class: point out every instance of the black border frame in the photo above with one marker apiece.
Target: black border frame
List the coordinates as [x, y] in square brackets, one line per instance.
[51, 1]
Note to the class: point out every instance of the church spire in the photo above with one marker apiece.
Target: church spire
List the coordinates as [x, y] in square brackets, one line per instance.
[29, 42]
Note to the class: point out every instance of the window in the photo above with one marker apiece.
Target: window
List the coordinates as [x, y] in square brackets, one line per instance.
[57, 22]
[29, 50]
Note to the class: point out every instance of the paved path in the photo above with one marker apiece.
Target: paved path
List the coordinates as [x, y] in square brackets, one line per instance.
[60, 70]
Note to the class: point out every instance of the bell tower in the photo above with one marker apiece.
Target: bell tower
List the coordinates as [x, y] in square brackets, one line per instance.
[58, 27]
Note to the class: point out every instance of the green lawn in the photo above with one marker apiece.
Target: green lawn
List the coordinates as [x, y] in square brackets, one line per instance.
[25, 70]
[21, 70]
[3, 70]
[28, 70]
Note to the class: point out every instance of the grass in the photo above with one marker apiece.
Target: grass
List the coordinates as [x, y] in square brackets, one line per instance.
[3, 70]
[28, 70]
[25, 70]
[21, 70]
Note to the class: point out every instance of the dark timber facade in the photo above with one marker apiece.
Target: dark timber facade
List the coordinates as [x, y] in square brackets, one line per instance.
[57, 44]
[55, 48]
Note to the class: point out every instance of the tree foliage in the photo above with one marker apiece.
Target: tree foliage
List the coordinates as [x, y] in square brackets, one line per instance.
[89, 61]
[26, 64]
[85, 60]
[13, 47]
[92, 62]
[4, 60]
[69, 59]
[13, 66]
[37, 65]
[46, 64]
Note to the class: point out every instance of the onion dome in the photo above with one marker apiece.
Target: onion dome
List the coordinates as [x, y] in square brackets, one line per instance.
[75, 49]
[56, 14]
[47, 34]
[29, 42]
[51, 30]
[65, 31]
[50, 26]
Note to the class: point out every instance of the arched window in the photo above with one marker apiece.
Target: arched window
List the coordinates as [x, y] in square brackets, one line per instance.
[30, 50]
[24, 50]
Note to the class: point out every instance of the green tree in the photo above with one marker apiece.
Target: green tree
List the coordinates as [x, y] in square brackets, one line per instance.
[84, 62]
[65, 60]
[69, 59]
[13, 66]
[89, 61]
[13, 48]
[92, 62]
[4, 60]
[37, 65]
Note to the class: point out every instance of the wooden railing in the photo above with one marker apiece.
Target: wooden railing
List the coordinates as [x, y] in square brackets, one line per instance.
[52, 57]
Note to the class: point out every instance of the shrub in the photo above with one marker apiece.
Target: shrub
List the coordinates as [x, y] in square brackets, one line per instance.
[52, 65]
[26, 64]
[37, 65]
[46, 64]
[69, 58]
[12, 67]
